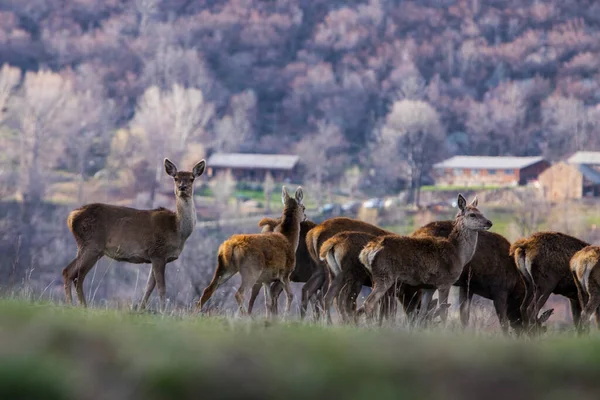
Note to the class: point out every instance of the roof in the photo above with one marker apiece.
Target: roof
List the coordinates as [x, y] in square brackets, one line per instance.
[585, 157]
[589, 173]
[485, 162]
[256, 161]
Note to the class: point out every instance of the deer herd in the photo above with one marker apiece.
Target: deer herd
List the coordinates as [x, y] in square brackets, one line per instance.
[336, 258]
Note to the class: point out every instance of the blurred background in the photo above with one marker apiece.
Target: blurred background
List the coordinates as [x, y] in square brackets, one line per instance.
[364, 103]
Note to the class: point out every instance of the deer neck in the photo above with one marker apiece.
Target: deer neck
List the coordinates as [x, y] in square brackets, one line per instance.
[186, 216]
[465, 241]
[290, 227]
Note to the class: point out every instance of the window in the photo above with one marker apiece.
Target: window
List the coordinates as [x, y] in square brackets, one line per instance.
[491, 172]
[475, 172]
[458, 171]
[509, 171]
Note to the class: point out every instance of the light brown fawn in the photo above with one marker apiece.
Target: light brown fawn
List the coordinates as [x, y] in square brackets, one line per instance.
[126, 234]
[429, 263]
[543, 259]
[304, 270]
[261, 258]
[585, 267]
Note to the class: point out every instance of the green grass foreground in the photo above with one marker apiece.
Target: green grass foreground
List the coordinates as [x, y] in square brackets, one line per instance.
[54, 352]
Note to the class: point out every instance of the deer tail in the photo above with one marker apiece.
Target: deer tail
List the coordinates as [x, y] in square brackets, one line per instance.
[368, 253]
[328, 254]
[222, 273]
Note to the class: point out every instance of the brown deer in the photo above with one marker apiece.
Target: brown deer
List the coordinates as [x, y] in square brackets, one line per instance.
[429, 263]
[261, 258]
[322, 232]
[304, 270]
[491, 274]
[341, 252]
[152, 237]
[544, 262]
[585, 267]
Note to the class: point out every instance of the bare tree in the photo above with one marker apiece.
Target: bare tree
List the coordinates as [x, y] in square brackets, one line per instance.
[569, 124]
[322, 155]
[222, 186]
[42, 111]
[236, 128]
[9, 78]
[166, 123]
[413, 131]
[268, 186]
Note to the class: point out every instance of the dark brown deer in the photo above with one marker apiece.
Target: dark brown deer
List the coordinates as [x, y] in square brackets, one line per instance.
[585, 268]
[304, 270]
[322, 232]
[491, 274]
[261, 258]
[154, 237]
[544, 262]
[428, 263]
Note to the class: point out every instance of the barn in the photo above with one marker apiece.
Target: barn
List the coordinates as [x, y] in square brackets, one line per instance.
[471, 171]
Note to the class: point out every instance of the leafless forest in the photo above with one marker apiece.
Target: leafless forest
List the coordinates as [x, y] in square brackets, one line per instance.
[95, 93]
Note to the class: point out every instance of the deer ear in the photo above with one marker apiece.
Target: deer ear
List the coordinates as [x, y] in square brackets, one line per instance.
[299, 195]
[462, 203]
[170, 168]
[475, 202]
[285, 196]
[199, 169]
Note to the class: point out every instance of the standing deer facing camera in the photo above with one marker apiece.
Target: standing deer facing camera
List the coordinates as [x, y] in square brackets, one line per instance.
[429, 263]
[126, 234]
[261, 257]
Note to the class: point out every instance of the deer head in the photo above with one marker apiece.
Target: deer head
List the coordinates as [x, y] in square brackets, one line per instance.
[293, 204]
[184, 180]
[470, 217]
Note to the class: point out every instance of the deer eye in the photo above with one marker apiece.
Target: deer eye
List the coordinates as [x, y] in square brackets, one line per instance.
[471, 215]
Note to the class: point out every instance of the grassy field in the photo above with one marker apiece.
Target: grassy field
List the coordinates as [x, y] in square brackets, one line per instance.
[54, 352]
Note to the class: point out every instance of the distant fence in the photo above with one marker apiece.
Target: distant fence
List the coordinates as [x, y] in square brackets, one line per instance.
[240, 220]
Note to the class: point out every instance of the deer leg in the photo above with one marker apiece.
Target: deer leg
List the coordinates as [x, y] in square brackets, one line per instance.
[288, 294]
[387, 305]
[254, 295]
[332, 293]
[150, 284]
[346, 300]
[464, 298]
[68, 281]
[85, 263]
[597, 315]
[591, 307]
[443, 295]
[268, 299]
[501, 305]
[576, 311]
[426, 296]
[318, 302]
[250, 277]
[158, 270]
[312, 285]
[276, 289]
[379, 290]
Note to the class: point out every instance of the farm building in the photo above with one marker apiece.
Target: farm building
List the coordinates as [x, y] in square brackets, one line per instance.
[254, 167]
[577, 177]
[488, 171]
